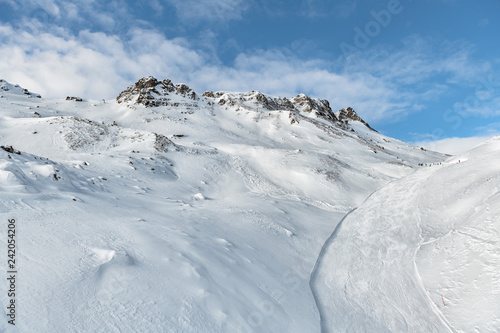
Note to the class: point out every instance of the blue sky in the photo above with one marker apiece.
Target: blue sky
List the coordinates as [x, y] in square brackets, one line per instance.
[427, 72]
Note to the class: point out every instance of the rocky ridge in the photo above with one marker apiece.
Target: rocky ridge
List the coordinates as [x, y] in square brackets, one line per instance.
[151, 92]
[349, 114]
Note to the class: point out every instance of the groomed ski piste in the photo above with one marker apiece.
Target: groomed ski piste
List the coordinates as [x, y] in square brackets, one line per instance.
[215, 213]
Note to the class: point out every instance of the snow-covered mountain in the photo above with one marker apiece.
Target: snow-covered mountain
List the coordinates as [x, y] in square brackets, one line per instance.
[170, 211]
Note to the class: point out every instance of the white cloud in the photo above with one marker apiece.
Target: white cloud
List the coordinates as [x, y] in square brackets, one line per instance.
[98, 65]
[454, 146]
[94, 65]
[278, 73]
[380, 85]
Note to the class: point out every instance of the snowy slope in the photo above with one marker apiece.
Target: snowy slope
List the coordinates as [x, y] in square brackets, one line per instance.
[420, 255]
[167, 211]
[460, 257]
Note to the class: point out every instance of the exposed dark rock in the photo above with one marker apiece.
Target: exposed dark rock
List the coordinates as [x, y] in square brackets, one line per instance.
[209, 94]
[302, 104]
[76, 99]
[152, 93]
[350, 114]
[162, 143]
[11, 150]
[321, 107]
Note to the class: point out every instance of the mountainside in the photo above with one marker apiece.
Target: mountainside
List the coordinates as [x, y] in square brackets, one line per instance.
[169, 211]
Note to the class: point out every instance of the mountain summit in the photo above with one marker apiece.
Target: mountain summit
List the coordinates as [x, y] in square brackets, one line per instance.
[151, 92]
[349, 114]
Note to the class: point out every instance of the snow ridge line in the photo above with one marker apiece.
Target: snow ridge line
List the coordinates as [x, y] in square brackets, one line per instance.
[314, 273]
[321, 257]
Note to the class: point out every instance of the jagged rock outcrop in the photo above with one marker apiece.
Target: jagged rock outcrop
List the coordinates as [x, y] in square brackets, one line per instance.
[345, 115]
[251, 100]
[150, 92]
[320, 107]
[10, 149]
[162, 143]
[254, 100]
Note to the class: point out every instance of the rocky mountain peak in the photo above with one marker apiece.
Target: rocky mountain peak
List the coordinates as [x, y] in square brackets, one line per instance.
[302, 104]
[250, 100]
[349, 114]
[320, 107]
[151, 92]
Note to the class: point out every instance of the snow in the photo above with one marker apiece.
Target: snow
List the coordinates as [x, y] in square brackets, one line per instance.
[423, 254]
[460, 232]
[200, 217]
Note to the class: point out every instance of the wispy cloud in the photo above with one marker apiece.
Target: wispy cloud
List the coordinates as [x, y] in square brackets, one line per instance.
[345, 8]
[382, 83]
[99, 65]
[491, 129]
[40, 15]
[487, 108]
[192, 11]
[314, 9]
[484, 22]
[418, 60]
[95, 65]
[418, 73]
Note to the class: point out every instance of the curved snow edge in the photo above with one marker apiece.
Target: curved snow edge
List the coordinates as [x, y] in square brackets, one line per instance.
[314, 273]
